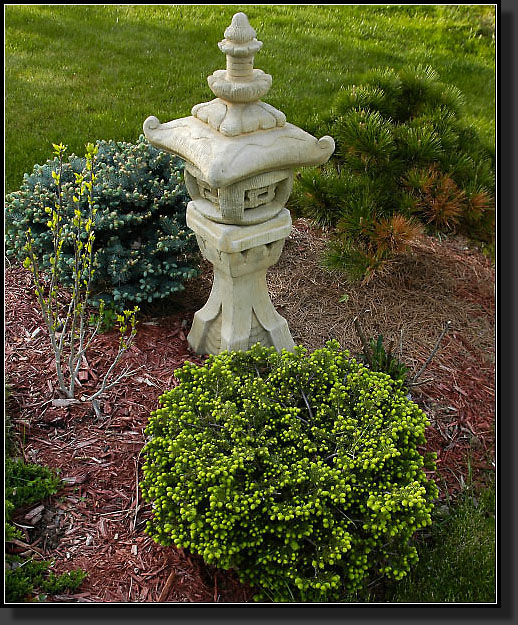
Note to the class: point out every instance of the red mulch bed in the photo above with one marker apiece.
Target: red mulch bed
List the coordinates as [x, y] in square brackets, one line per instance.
[97, 521]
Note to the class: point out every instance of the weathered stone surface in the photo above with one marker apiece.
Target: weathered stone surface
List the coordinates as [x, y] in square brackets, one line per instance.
[240, 156]
[231, 238]
[224, 160]
[239, 311]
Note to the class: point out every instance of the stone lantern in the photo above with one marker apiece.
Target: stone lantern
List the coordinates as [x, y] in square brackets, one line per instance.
[240, 155]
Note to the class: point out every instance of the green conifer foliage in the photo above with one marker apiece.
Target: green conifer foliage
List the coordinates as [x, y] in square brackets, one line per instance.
[405, 160]
[301, 472]
[26, 484]
[143, 250]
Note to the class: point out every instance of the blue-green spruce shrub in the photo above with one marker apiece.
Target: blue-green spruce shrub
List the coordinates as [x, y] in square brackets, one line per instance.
[301, 472]
[143, 250]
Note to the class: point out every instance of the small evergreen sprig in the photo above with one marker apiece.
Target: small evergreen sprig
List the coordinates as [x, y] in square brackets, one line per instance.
[31, 580]
[26, 484]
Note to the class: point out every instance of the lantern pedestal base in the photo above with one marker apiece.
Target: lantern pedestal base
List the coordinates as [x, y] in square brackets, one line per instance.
[239, 312]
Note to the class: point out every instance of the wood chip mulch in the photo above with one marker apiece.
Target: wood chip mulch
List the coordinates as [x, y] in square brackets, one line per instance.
[96, 522]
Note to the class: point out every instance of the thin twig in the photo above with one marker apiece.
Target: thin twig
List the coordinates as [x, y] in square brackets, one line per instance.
[307, 404]
[167, 587]
[105, 387]
[434, 351]
[123, 511]
[366, 348]
[344, 515]
[301, 419]
[374, 581]
[422, 382]
[19, 543]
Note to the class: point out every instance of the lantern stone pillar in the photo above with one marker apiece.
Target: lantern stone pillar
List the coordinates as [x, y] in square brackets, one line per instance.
[240, 155]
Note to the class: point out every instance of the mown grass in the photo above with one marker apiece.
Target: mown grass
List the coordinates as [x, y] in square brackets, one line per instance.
[77, 73]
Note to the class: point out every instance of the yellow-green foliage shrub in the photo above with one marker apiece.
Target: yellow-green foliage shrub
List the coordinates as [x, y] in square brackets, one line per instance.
[301, 472]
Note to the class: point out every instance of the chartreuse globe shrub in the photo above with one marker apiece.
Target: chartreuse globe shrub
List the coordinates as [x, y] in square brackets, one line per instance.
[143, 250]
[301, 472]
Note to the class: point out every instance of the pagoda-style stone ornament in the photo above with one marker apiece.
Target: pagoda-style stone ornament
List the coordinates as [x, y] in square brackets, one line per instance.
[240, 154]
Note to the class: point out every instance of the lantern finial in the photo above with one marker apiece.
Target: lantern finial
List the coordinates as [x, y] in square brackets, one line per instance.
[237, 108]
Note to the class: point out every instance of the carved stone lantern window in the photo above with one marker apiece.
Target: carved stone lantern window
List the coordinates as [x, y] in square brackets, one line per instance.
[240, 155]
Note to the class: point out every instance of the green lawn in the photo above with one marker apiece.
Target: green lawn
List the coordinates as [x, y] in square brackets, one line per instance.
[77, 73]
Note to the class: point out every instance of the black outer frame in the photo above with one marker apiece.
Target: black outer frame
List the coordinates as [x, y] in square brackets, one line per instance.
[505, 610]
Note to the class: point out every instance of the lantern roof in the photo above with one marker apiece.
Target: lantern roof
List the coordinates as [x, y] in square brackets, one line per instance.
[236, 135]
